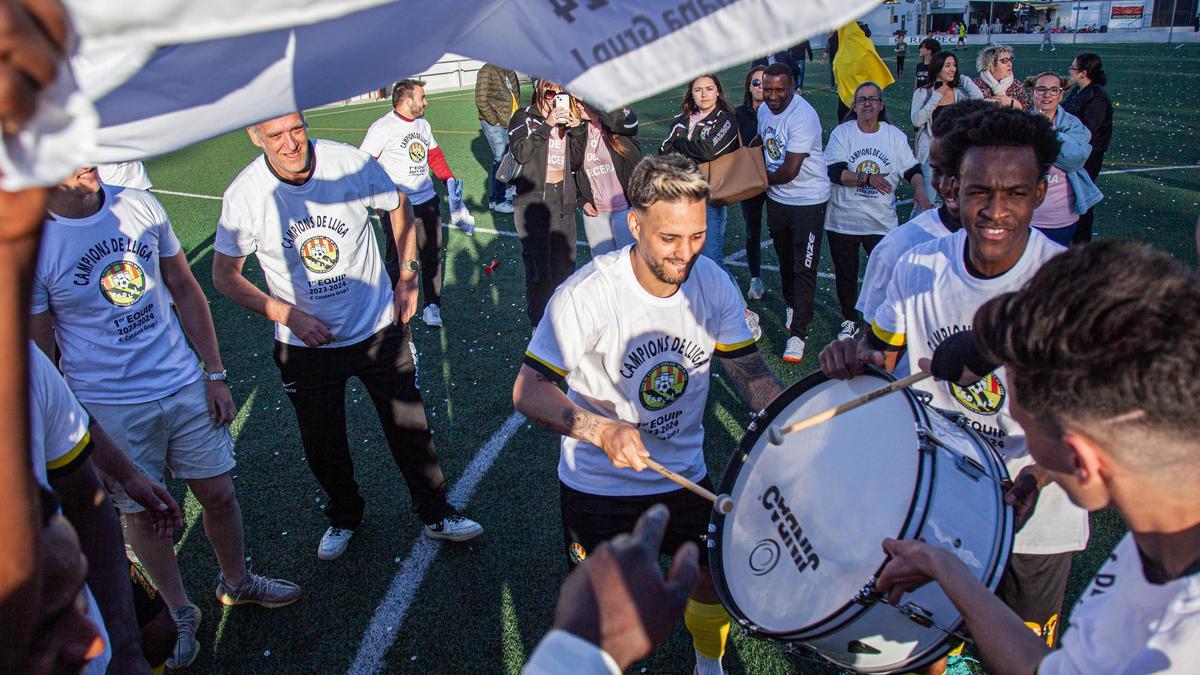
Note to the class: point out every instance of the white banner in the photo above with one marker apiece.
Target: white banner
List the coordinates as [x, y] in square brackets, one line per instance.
[1126, 14]
[163, 75]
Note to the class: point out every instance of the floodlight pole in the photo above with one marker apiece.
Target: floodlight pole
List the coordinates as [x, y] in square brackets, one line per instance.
[991, 9]
[1075, 31]
[1171, 29]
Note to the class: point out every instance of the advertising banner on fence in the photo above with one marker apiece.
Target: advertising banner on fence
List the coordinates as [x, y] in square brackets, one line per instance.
[1126, 14]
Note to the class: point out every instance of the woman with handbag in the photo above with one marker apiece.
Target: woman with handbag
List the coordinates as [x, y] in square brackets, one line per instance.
[752, 208]
[866, 158]
[546, 139]
[611, 152]
[705, 130]
[946, 86]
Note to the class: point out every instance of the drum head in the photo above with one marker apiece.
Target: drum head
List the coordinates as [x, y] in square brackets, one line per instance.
[809, 515]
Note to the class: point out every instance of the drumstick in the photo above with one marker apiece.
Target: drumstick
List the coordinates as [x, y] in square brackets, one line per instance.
[722, 503]
[775, 434]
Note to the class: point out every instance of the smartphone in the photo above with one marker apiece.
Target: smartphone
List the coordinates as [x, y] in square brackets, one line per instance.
[563, 102]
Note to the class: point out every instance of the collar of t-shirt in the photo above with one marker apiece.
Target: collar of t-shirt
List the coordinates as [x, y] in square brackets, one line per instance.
[974, 271]
[310, 166]
[402, 117]
[86, 220]
[1154, 573]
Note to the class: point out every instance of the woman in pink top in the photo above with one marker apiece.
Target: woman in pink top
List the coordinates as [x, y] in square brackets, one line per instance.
[611, 151]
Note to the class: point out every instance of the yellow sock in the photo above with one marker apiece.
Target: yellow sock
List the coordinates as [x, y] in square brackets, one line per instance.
[709, 626]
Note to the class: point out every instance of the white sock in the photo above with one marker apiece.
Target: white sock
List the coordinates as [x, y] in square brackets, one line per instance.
[707, 666]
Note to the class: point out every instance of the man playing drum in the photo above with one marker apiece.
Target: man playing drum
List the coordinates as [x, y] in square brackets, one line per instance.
[1109, 413]
[1001, 157]
[633, 335]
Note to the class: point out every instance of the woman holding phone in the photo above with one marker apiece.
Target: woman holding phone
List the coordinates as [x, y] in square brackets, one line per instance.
[705, 130]
[547, 139]
[610, 154]
[946, 87]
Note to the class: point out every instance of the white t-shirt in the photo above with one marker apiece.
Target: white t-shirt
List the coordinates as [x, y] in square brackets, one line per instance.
[1125, 624]
[403, 148]
[101, 281]
[931, 297]
[314, 241]
[796, 129]
[925, 226]
[865, 210]
[58, 437]
[125, 174]
[643, 359]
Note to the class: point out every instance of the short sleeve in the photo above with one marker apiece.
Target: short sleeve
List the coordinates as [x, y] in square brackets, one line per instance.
[838, 149]
[168, 243]
[887, 326]
[235, 228]
[64, 422]
[562, 336]
[429, 130]
[905, 159]
[41, 292]
[379, 191]
[804, 133]
[734, 339]
[875, 281]
[374, 141]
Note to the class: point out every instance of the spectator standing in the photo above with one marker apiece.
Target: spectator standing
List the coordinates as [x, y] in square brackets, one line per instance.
[1090, 102]
[109, 267]
[797, 195]
[927, 49]
[802, 53]
[1046, 41]
[752, 208]
[867, 158]
[946, 87]
[901, 51]
[403, 142]
[547, 140]
[962, 36]
[497, 97]
[705, 130]
[1069, 189]
[610, 154]
[303, 210]
[996, 81]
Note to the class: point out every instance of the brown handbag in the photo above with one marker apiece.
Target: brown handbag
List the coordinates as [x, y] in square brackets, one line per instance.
[735, 176]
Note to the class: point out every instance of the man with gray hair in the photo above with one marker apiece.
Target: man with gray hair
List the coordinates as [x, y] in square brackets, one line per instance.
[303, 209]
[633, 335]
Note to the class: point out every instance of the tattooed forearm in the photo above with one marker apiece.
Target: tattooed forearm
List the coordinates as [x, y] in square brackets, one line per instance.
[754, 381]
[580, 424]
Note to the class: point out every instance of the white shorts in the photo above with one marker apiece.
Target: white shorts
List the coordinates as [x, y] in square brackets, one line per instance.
[173, 432]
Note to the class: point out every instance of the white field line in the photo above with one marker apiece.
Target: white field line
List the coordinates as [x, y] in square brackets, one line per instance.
[389, 615]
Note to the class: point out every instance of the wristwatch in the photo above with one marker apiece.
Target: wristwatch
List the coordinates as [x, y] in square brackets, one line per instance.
[216, 377]
[413, 265]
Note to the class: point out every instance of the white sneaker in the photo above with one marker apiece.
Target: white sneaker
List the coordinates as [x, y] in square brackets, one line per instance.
[454, 527]
[432, 316]
[787, 322]
[849, 330]
[753, 324]
[794, 352]
[502, 207]
[756, 289]
[334, 542]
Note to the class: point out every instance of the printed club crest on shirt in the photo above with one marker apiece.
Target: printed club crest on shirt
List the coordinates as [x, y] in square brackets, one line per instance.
[985, 397]
[663, 385]
[122, 283]
[774, 150]
[319, 254]
[417, 152]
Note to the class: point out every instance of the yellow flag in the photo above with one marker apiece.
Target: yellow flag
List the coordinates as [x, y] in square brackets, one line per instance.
[856, 62]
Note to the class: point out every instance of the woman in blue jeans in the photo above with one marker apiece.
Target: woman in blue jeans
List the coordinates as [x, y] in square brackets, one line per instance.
[705, 130]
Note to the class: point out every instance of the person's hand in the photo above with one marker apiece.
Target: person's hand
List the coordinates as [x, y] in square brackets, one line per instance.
[844, 359]
[920, 197]
[64, 638]
[558, 116]
[879, 181]
[1003, 100]
[912, 564]
[404, 298]
[590, 210]
[573, 121]
[306, 327]
[617, 599]
[221, 409]
[32, 38]
[622, 442]
[164, 512]
[1023, 495]
[958, 359]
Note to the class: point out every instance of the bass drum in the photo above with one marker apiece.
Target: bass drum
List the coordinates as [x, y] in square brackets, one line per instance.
[796, 559]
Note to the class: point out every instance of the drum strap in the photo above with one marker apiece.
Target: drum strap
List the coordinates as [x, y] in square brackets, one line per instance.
[709, 625]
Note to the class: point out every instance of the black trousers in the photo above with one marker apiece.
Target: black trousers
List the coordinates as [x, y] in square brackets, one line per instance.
[1083, 228]
[315, 382]
[548, 239]
[429, 249]
[1034, 586]
[843, 248]
[752, 211]
[797, 232]
[899, 65]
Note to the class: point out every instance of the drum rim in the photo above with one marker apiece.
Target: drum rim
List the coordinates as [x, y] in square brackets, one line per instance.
[729, 476]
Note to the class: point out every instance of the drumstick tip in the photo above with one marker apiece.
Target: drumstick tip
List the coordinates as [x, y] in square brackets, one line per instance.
[724, 504]
[774, 435]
